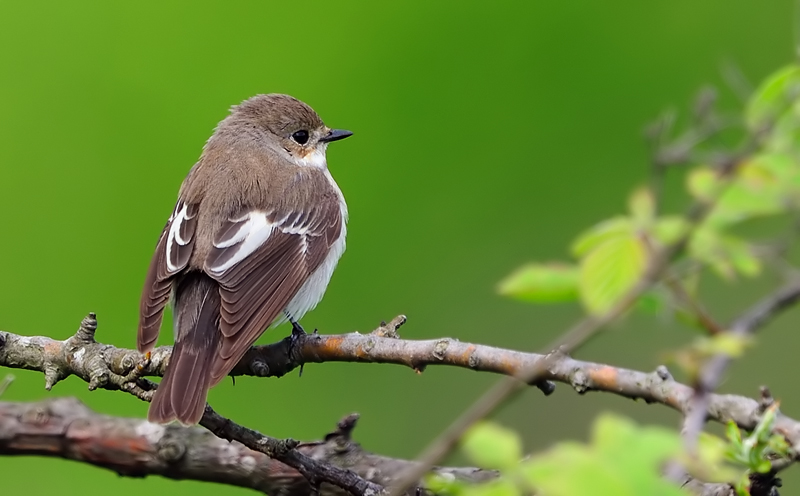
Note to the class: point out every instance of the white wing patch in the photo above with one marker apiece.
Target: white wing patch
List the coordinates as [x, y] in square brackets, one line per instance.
[251, 234]
[174, 235]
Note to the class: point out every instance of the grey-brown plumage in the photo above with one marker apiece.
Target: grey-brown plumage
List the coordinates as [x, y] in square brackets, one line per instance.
[255, 235]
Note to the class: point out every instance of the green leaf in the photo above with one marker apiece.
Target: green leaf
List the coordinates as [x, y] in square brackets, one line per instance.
[652, 302]
[764, 426]
[702, 183]
[779, 445]
[756, 450]
[692, 357]
[762, 466]
[542, 283]
[742, 257]
[784, 136]
[726, 343]
[669, 229]
[573, 471]
[725, 254]
[600, 233]
[444, 484]
[773, 98]
[492, 446]
[622, 459]
[756, 191]
[642, 205]
[502, 486]
[733, 433]
[610, 271]
[785, 169]
[712, 454]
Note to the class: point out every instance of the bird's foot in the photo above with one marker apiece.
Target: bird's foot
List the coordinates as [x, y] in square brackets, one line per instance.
[297, 334]
[297, 329]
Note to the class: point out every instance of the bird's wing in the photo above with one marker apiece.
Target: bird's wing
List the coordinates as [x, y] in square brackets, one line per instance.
[171, 256]
[261, 258]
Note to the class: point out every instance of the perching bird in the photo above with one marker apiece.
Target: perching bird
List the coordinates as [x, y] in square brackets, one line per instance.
[253, 240]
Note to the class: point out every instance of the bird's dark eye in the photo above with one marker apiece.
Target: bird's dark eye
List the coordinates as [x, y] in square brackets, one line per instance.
[301, 136]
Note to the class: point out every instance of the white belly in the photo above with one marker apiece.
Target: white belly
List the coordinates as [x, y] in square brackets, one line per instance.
[312, 291]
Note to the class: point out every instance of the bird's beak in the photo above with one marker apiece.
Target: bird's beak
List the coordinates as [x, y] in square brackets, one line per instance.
[335, 135]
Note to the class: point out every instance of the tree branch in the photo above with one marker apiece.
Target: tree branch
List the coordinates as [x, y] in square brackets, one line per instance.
[66, 428]
[115, 368]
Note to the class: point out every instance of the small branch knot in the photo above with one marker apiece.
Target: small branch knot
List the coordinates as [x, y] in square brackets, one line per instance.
[663, 373]
[87, 329]
[765, 399]
[51, 376]
[341, 438]
[580, 382]
[128, 363]
[170, 450]
[259, 367]
[344, 428]
[440, 348]
[98, 378]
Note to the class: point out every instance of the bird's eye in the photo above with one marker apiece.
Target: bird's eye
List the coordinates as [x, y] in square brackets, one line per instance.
[301, 136]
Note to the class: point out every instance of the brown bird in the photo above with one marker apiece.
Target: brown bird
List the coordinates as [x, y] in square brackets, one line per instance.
[253, 240]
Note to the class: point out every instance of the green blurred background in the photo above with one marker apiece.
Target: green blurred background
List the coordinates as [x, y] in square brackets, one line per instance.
[487, 134]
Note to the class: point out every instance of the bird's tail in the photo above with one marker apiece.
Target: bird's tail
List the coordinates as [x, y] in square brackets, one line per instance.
[184, 388]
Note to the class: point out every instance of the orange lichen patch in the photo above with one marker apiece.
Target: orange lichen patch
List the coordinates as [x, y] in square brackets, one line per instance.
[464, 358]
[510, 365]
[330, 347]
[605, 377]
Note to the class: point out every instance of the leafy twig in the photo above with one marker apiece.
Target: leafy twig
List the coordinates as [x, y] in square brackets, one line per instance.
[567, 342]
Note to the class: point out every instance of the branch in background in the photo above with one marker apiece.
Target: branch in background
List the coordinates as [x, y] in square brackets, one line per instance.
[66, 428]
[284, 450]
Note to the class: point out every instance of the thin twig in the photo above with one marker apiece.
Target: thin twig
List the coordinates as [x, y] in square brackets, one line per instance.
[701, 314]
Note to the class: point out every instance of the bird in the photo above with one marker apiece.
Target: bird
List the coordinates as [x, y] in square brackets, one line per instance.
[256, 233]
